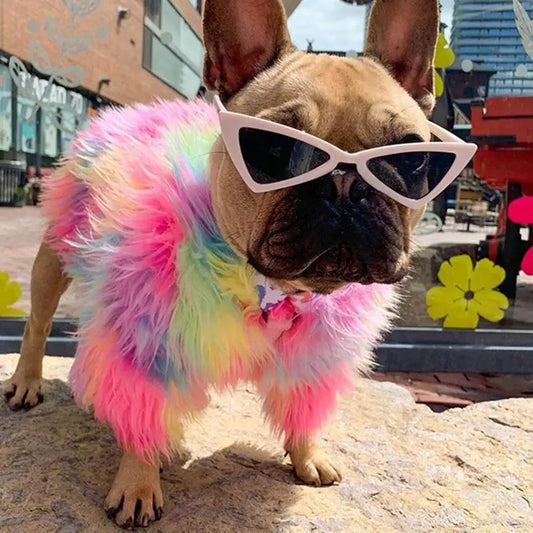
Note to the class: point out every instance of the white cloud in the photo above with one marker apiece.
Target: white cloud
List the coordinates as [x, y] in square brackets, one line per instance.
[330, 24]
[447, 14]
[336, 25]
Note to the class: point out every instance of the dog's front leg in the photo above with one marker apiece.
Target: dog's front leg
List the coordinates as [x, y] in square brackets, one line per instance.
[135, 498]
[298, 410]
[48, 282]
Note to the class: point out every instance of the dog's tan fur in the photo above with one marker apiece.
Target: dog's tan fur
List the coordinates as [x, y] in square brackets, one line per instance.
[352, 103]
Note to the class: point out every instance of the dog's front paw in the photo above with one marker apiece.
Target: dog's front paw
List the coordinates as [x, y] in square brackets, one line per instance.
[135, 498]
[313, 467]
[23, 392]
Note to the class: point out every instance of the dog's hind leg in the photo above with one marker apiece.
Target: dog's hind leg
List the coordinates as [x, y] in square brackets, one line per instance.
[48, 282]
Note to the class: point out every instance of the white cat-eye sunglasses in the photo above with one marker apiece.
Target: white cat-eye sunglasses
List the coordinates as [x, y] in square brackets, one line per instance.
[270, 156]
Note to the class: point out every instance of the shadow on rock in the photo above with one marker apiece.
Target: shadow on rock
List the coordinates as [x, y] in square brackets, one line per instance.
[240, 488]
[57, 464]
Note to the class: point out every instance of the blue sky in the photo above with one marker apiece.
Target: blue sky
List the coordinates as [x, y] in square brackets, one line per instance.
[335, 25]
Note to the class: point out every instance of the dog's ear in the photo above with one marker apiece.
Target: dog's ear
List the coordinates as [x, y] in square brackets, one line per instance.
[402, 34]
[242, 38]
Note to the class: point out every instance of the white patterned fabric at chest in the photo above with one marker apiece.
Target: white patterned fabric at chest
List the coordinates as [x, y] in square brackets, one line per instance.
[269, 294]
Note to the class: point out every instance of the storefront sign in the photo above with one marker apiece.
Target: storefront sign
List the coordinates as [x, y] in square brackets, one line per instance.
[39, 90]
[47, 95]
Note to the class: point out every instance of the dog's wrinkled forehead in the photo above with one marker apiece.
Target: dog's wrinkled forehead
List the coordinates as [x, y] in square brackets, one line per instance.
[354, 104]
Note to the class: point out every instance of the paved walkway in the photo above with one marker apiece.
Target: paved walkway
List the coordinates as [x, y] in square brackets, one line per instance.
[21, 230]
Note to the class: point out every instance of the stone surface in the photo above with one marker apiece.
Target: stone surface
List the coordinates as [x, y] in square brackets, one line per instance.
[406, 469]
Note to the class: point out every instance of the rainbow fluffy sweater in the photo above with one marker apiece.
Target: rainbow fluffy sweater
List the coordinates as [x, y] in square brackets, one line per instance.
[167, 309]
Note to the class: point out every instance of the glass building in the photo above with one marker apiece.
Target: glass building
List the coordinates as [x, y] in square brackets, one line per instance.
[485, 31]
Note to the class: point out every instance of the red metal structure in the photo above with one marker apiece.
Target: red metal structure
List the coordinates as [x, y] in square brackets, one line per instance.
[503, 129]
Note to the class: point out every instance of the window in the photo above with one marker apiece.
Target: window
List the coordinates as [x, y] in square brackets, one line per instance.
[68, 121]
[49, 135]
[153, 11]
[171, 69]
[26, 126]
[172, 51]
[5, 109]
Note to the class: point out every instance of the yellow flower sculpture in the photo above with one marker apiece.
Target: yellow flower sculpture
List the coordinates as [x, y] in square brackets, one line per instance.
[468, 293]
[10, 292]
[444, 57]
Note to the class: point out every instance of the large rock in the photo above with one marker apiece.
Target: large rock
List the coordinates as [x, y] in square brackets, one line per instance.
[405, 468]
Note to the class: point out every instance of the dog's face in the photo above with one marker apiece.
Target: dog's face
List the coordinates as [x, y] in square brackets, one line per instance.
[336, 229]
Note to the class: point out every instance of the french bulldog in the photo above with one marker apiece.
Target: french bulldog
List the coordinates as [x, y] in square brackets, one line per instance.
[314, 237]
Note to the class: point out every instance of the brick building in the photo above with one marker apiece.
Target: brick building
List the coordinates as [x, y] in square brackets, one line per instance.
[61, 60]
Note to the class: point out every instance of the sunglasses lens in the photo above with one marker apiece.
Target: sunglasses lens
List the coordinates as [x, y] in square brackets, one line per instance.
[412, 174]
[272, 157]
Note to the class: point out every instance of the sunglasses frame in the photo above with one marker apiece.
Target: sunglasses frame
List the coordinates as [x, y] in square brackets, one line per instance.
[231, 123]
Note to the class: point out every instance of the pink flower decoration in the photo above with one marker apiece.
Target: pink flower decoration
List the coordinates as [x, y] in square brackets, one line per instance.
[521, 212]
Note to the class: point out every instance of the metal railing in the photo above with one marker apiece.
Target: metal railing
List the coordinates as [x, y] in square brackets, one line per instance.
[12, 181]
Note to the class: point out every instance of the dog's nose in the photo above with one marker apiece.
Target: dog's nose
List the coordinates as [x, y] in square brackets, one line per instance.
[359, 190]
[344, 183]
